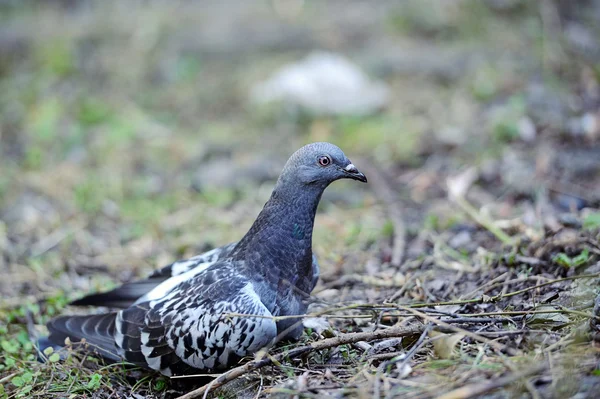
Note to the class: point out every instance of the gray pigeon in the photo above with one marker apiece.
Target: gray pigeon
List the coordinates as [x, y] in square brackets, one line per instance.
[205, 313]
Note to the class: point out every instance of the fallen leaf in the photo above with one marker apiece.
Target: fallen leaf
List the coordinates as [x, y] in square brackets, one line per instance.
[444, 344]
[317, 324]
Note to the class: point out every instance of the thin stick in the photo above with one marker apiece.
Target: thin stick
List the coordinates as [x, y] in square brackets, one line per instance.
[478, 320]
[501, 296]
[405, 358]
[469, 334]
[486, 285]
[528, 312]
[549, 283]
[8, 377]
[342, 339]
[402, 290]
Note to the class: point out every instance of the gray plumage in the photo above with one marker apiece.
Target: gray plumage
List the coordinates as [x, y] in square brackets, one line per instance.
[190, 316]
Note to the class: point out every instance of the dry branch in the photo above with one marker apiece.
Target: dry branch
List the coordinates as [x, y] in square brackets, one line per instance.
[342, 339]
[469, 334]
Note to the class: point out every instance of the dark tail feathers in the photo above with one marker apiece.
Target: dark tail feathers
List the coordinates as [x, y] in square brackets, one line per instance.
[121, 297]
[97, 330]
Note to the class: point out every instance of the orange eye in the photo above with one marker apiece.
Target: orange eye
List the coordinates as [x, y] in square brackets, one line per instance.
[324, 160]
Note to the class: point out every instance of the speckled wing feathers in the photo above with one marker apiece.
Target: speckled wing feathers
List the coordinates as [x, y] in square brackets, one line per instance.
[203, 260]
[192, 327]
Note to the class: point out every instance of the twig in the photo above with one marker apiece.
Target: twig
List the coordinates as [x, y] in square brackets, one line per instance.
[489, 283]
[502, 296]
[394, 210]
[502, 333]
[8, 377]
[318, 345]
[402, 290]
[489, 286]
[528, 312]
[474, 390]
[260, 387]
[549, 283]
[564, 341]
[384, 356]
[405, 358]
[477, 320]
[375, 281]
[505, 285]
[469, 334]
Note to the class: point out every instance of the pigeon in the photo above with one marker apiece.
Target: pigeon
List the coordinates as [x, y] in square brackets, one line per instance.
[206, 313]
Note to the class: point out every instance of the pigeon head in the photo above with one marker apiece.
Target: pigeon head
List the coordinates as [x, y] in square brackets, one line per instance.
[318, 165]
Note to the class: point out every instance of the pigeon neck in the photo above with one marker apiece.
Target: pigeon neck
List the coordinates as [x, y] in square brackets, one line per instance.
[279, 243]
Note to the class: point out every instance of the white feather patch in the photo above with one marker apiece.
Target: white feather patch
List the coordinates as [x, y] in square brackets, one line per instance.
[163, 289]
[119, 337]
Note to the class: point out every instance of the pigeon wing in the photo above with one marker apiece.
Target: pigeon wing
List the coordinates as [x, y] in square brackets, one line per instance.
[203, 261]
[128, 293]
[206, 323]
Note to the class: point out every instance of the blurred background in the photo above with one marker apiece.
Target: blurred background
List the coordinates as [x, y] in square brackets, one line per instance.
[136, 133]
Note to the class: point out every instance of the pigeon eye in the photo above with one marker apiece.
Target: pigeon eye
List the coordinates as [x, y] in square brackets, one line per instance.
[324, 160]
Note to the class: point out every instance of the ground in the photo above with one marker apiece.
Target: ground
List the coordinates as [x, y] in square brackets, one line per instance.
[128, 140]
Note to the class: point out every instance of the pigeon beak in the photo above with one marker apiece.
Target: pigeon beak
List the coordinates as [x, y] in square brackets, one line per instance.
[352, 172]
